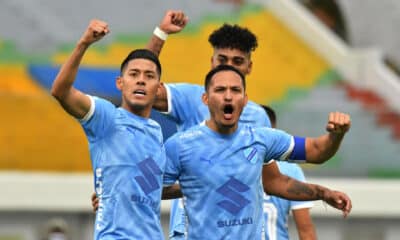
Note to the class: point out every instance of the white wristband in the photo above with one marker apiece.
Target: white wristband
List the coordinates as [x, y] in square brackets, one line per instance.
[160, 33]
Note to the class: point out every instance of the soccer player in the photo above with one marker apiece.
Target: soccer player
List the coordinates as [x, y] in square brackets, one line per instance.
[277, 210]
[126, 147]
[232, 45]
[218, 164]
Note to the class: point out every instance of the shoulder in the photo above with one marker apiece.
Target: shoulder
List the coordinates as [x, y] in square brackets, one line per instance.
[102, 101]
[185, 87]
[98, 106]
[154, 124]
[191, 133]
[254, 107]
[183, 140]
[255, 115]
[262, 130]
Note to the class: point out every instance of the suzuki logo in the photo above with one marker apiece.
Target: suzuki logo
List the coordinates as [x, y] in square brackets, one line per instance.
[148, 182]
[235, 201]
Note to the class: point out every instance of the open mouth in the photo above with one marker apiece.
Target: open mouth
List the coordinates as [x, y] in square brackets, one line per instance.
[228, 110]
[139, 92]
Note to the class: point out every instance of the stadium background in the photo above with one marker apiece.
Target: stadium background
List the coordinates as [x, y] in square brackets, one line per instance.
[44, 161]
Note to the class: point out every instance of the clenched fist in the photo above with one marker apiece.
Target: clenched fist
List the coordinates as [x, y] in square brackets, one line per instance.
[173, 21]
[338, 123]
[96, 30]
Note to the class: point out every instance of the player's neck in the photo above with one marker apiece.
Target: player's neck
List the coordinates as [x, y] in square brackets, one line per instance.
[220, 128]
[143, 112]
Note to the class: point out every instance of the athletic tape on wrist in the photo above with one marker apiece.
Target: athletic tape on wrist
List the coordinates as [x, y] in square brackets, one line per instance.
[160, 33]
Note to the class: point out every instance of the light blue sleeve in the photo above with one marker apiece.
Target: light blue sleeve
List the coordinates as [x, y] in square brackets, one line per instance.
[99, 119]
[172, 167]
[182, 99]
[177, 223]
[279, 144]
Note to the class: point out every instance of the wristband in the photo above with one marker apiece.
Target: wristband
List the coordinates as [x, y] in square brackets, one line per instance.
[160, 33]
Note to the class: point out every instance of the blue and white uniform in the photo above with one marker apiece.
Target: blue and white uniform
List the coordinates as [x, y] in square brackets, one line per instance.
[187, 110]
[222, 184]
[128, 161]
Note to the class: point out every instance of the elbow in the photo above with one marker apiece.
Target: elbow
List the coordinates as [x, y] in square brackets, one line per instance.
[317, 161]
[57, 92]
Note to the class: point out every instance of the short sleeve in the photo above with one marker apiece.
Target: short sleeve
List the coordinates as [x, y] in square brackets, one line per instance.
[279, 144]
[98, 119]
[181, 99]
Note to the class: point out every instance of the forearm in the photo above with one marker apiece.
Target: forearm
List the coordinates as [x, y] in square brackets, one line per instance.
[322, 148]
[289, 188]
[155, 44]
[307, 233]
[161, 101]
[72, 100]
[67, 74]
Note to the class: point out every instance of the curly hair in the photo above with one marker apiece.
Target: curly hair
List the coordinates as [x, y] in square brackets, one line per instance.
[233, 37]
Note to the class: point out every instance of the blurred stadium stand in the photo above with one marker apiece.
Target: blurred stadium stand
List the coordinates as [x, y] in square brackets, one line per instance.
[300, 68]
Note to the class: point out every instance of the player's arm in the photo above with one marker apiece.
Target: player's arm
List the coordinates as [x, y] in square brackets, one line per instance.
[173, 22]
[171, 192]
[305, 226]
[320, 149]
[161, 102]
[283, 186]
[72, 100]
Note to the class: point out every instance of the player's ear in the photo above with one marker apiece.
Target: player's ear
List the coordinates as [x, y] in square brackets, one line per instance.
[250, 67]
[204, 98]
[246, 99]
[118, 83]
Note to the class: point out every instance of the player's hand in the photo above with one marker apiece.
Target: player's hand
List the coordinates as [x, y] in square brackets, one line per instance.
[339, 201]
[95, 202]
[173, 22]
[96, 30]
[338, 123]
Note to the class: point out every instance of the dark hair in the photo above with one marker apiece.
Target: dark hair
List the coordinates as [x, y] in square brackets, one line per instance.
[233, 37]
[271, 114]
[142, 54]
[220, 68]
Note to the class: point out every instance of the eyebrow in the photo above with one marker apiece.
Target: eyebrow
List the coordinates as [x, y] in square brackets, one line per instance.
[139, 70]
[234, 57]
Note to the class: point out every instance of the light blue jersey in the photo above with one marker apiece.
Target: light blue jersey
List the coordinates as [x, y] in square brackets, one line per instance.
[128, 160]
[220, 176]
[187, 109]
[276, 210]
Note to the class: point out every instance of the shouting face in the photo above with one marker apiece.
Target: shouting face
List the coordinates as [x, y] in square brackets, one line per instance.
[225, 98]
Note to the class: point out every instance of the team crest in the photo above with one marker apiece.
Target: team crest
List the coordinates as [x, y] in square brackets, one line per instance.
[251, 154]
